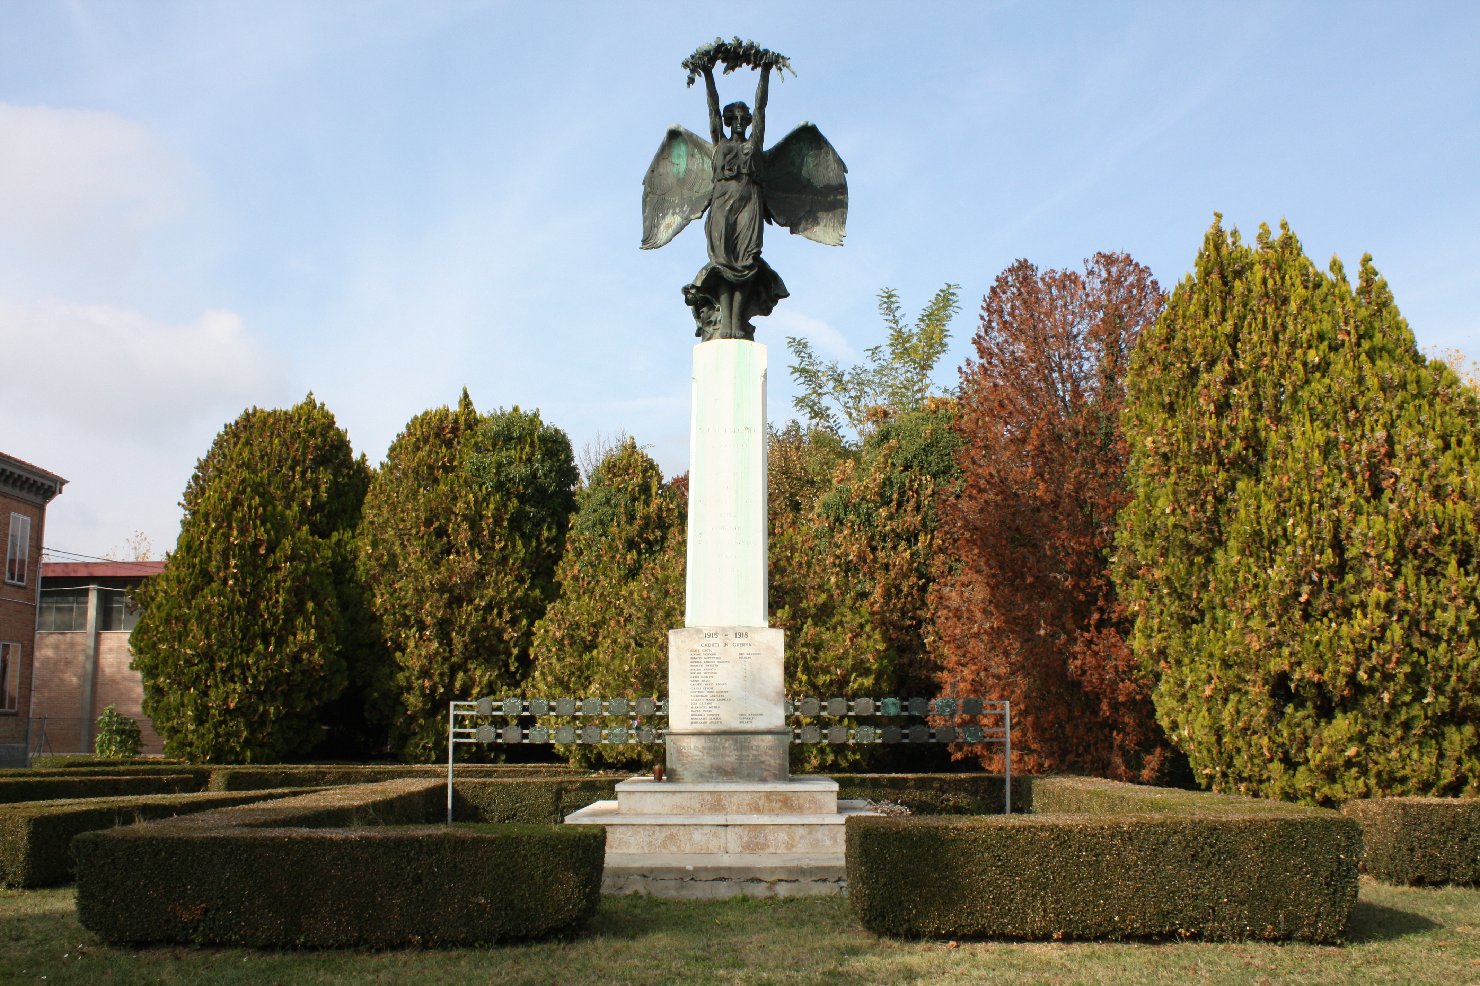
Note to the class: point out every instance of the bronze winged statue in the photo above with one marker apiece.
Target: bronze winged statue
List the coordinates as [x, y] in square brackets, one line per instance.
[801, 184]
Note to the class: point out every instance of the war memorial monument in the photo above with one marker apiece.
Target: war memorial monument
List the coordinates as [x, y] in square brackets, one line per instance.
[727, 819]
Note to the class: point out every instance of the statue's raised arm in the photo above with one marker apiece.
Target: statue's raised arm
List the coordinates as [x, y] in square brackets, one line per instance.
[801, 184]
[711, 98]
[762, 91]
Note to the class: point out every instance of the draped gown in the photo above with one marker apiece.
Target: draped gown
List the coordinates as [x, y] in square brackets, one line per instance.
[734, 229]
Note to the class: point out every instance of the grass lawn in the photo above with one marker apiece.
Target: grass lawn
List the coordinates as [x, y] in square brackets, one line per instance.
[1396, 936]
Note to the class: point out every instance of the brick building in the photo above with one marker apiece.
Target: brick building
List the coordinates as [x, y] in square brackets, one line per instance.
[83, 656]
[25, 490]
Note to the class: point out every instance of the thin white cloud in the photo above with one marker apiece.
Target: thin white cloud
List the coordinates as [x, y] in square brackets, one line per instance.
[81, 188]
[87, 363]
[121, 405]
[832, 343]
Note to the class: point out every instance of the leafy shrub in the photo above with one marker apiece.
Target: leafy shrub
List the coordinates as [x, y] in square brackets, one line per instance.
[621, 591]
[1025, 609]
[118, 736]
[1182, 867]
[463, 526]
[1420, 840]
[854, 526]
[852, 549]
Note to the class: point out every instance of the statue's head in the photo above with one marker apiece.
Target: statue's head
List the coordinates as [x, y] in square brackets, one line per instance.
[737, 117]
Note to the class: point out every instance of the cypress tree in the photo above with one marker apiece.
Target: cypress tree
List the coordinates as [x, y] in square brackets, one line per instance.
[241, 643]
[1302, 547]
[621, 589]
[462, 529]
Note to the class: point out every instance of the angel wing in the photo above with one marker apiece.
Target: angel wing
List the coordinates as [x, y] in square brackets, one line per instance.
[807, 186]
[677, 186]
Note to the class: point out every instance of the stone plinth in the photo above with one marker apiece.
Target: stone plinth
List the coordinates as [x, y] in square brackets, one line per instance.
[721, 876]
[690, 840]
[721, 756]
[726, 577]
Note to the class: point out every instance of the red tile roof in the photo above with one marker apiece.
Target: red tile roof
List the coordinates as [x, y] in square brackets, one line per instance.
[100, 569]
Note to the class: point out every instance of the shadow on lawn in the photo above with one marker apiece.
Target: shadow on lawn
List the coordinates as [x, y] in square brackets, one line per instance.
[1373, 922]
[634, 918]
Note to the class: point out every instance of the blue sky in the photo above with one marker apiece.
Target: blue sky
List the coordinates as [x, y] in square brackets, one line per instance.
[209, 205]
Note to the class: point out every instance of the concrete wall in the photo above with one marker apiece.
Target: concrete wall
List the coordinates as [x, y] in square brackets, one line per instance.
[61, 665]
[121, 687]
[58, 668]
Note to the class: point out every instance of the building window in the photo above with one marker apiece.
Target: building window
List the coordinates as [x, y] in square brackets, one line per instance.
[10, 676]
[62, 609]
[118, 613]
[18, 549]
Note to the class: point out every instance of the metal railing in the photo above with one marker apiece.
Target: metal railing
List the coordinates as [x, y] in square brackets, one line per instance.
[472, 722]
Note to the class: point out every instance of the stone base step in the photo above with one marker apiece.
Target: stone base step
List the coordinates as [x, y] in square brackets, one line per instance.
[712, 876]
[799, 796]
[715, 834]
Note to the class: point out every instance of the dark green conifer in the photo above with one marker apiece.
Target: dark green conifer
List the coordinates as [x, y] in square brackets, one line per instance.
[621, 590]
[1302, 547]
[462, 529]
[241, 644]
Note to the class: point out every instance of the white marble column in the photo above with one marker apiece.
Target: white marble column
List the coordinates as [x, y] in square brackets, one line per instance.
[725, 685]
[727, 486]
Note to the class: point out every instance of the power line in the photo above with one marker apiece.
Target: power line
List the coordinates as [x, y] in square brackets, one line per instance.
[144, 567]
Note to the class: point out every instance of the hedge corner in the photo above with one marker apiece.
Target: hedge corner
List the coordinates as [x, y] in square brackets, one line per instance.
[1420, 841]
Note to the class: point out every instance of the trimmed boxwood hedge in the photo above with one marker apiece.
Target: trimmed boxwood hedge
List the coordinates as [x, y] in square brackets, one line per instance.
[87, 761]
[527, 799]
[337, 868]
[1053, 795]
[120, 769]
[409, 801]
[550, 799]
[71, 786]
[36, 836]
[1418, 841]
[251, 778]
[374, 886]
[937, 794]
[1130, 863]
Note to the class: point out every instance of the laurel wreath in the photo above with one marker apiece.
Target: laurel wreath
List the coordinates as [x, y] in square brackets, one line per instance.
[735, 54]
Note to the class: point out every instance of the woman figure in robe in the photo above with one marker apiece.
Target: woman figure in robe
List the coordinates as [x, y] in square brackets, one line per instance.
[800, 183]
[737, 284]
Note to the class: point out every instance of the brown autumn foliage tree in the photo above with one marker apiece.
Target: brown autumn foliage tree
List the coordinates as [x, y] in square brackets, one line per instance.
[1024, 607]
